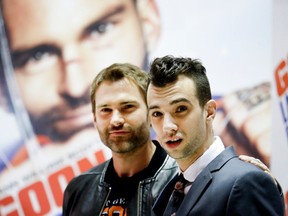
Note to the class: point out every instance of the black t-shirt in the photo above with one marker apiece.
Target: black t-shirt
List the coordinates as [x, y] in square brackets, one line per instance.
[124, 188]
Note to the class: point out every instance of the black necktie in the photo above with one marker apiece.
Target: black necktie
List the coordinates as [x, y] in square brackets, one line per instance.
[176, 197]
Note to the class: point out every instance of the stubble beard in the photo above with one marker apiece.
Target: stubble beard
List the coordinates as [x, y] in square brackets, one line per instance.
[128, 144]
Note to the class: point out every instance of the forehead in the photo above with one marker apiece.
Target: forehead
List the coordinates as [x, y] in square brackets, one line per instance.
[47, 18]
[57, 9]
[183, 88]
[116, 92]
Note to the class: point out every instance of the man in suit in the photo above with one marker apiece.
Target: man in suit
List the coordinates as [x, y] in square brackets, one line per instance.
[182, 113]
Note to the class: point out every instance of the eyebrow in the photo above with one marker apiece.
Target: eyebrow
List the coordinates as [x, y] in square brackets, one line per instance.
[112, 12]
[20, 55]
[173, 102]
[121, 104]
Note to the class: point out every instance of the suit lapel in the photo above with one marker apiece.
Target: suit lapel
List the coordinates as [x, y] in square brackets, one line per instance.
[203, 181]
[162, 201]
[194, 194]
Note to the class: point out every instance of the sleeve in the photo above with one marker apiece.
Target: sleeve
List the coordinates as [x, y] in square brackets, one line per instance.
[68, 198]
[255, 194]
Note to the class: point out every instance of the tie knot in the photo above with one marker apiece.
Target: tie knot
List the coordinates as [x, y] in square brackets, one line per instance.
[177, 196]
[181, 182]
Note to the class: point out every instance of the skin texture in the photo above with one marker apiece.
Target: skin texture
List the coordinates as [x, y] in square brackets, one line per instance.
[183, 128]
[122, 122]
[182, 114]
[59, 46]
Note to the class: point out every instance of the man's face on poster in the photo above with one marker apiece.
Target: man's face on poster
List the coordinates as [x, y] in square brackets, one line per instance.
[57, 48]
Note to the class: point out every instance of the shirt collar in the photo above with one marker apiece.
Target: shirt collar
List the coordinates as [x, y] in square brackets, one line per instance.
[212, 152]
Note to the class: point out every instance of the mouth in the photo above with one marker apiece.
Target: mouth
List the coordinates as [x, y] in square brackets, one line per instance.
[62, 122]
[173, 143]
[76, 118]
[118, 133]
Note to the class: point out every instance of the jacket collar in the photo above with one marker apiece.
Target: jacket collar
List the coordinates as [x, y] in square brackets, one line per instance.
[198, 187]
[202, 182]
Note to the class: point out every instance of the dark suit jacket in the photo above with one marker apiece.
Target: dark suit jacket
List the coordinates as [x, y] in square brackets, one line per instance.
[228, 186]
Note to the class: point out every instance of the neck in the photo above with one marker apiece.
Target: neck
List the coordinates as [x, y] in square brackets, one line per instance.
[131, 163]
[186, 162]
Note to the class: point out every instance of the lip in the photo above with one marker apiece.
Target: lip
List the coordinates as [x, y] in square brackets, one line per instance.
[76, 118]
[118, 133]
[173, 142]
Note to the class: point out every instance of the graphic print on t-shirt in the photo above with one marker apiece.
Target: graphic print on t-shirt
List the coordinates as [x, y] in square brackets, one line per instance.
[115, 207]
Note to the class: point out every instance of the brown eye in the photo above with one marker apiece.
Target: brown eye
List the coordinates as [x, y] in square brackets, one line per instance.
[105, 110]
[181, 109]
[156, 114]
[128, 106]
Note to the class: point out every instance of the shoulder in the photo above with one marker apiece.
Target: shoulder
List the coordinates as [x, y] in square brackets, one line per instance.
[229, 168]
[243, 176]
[254, 186]
[87, 178]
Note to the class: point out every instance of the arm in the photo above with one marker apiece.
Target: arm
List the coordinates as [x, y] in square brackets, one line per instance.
[257, 163]
[255, 194]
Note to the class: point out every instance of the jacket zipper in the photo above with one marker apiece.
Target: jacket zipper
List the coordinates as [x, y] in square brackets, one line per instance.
[103, 206]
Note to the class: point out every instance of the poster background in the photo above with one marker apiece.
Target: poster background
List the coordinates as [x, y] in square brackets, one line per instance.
[279, 159]
[234, 40]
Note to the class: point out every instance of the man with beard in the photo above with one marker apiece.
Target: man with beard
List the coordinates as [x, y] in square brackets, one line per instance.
[58, 46]
[129, 183]
[55, 43]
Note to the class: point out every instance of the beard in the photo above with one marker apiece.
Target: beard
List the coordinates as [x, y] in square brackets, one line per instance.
[45, 124]
[137, 138]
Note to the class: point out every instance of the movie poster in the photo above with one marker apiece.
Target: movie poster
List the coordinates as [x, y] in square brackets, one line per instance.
[39, 156]
[279, 157]
[51, 51]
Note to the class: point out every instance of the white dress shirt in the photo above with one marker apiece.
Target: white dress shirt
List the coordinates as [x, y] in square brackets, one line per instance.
[211, 153]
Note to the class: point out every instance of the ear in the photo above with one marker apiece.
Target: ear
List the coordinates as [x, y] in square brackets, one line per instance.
[210, 109]
[149, 16]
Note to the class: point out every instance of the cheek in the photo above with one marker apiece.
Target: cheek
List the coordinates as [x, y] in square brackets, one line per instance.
[37, 94]
[100, 122]
[123, 44]
[137, 118]
[100, 126]
[157, 127]
[190, 124]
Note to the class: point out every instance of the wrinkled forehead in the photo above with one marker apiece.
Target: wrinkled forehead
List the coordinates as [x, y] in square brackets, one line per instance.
[120, 90]
[56, 7]
[52, 9]
[51, 16]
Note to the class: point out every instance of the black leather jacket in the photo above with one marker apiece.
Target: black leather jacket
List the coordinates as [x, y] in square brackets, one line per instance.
[87, 193]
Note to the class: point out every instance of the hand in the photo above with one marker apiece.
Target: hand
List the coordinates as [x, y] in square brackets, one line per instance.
[257, 163]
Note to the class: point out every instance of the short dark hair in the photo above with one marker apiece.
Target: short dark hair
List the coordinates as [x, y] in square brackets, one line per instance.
[166, 70]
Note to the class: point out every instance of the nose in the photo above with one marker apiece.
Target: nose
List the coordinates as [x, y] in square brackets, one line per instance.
[169, 125]
[117, 119]
[74, 82]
